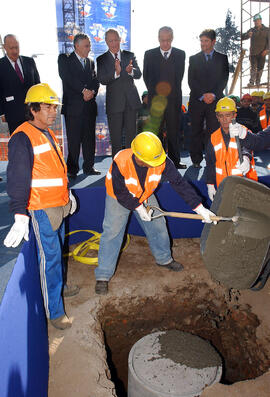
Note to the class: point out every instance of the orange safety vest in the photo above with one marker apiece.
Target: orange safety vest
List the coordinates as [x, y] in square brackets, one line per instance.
[126, 167]
[49, 174]
[226, 159]
[263, 118]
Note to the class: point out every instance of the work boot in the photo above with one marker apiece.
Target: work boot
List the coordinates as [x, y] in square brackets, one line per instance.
[173, 265]
[62, 322]
[70, 290]
[101, 287]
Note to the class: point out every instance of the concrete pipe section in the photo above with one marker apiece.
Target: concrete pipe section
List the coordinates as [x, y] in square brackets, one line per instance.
[172, 364]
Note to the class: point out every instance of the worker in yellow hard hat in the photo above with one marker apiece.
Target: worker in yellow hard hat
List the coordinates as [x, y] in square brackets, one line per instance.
[131, 181]
[222, 157]
[37, 186]
[264, 113]
[256, 101]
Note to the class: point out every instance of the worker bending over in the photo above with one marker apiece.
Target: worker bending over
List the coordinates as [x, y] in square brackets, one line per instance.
[222, 158]
[37, 187]
[131, 181]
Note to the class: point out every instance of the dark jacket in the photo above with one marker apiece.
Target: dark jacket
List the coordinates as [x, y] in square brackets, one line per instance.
[206, 77]
[13, 91]
[152, 71]
[75, 78]
[258, 41]
[122, 90]
[248, 118]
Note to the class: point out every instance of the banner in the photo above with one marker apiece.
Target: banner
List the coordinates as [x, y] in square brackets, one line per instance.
[94, 17]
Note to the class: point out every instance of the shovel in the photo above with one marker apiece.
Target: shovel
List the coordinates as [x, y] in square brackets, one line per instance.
[247, 223]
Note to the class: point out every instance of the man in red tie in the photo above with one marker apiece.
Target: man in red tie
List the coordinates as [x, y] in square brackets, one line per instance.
[117, 70]
[17, 75]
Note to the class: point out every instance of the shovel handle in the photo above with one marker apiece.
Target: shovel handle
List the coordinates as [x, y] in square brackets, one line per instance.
[191, 216]
[183, 215]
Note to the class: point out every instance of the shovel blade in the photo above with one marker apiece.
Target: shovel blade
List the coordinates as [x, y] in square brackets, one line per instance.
[252, 224]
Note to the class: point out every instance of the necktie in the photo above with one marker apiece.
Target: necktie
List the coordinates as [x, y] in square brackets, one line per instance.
[166, 55]
[116, 56]
[208, 57]
[83, 62]
[18, 71]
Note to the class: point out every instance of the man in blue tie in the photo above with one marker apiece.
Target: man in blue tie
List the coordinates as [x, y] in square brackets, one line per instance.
[80, 88]
[207, 77]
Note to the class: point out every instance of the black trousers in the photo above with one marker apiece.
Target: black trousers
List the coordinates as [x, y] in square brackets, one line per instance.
[203, 123]
[122, 128]
[81, 132]
[171, 124]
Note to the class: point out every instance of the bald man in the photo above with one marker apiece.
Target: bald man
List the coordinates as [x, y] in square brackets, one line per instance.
[17, 75]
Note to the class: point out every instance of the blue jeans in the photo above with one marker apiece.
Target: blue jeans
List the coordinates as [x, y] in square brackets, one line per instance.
[114, 226]
[49, 249]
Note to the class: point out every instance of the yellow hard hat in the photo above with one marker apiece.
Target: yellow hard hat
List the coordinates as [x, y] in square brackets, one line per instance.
[42, 93]
[226, 105]
[148, 148]
[255, 93]
[266, 96]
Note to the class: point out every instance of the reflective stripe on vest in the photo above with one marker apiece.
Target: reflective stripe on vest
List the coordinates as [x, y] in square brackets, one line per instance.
[41, 148]
[226, 159]
[126, 167]
[47, 182]
[49, 172]
[263, 118]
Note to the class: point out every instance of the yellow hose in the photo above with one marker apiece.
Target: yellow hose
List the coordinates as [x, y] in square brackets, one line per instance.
[80, 252]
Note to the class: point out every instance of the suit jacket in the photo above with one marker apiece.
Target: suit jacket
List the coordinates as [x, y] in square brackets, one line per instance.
[211, 76]
[13, 91]
[75, 78]
[121, 90]
[151, 71]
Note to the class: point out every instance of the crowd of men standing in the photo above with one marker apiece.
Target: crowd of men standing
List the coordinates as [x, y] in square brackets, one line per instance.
[163, 71]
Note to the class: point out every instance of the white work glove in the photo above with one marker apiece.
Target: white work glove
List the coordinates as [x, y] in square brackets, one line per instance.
[237, 130]
[244, 167]
[205, 213]
[73, 203]
[211, 191]
[18, 231]
[144, 215]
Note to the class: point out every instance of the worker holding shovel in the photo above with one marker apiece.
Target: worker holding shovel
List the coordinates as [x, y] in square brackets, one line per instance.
[224, 156]
[130, 184]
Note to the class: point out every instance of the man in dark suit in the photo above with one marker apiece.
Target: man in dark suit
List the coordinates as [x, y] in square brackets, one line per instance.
[17, 75]
[207, 77]
[80, 88]
[163, 72]
[117, 70]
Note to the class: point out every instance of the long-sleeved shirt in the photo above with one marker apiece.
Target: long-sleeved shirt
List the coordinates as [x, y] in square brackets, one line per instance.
[259, 39]
[259, 141]
[170, 174]
[210, 157]
[19, 170]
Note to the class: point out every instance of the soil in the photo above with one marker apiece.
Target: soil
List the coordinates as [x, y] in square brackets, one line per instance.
[144, 298]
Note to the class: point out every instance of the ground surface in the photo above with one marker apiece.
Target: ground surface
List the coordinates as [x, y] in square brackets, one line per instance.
[144, 298]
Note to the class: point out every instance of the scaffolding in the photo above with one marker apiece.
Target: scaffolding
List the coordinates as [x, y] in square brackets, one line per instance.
[248, 10]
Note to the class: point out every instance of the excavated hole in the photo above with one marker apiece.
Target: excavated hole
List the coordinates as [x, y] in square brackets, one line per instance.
[230, 327]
